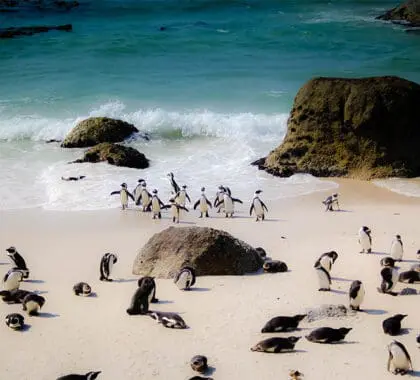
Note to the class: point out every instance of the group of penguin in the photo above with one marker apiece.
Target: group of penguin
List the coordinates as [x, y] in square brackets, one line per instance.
[150, 202]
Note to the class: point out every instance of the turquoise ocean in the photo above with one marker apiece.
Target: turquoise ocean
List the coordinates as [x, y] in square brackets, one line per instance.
[212, 81]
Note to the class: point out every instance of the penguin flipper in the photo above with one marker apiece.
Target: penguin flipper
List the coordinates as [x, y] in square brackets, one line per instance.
[264, 206]
[219, 203]
[188, 197]
[196, 204]
[208, 203]
[251, 208]
[390, 357]
[115, 192]
[184, 208]
[236, 200]
[131, 196]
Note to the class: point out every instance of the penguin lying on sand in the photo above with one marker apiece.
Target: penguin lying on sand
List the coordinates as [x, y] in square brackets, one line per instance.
[15, 321]
[276, 345]
[169, 320]
[327, 335]
[392, 325]
[283, 324]
[88, 376]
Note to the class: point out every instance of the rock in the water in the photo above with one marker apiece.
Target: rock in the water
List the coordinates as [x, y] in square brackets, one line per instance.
[326, 311]
[360, 128]
[408, 13]
[96, 130]
[38, 5]
[31, 30]
[117, 155]
[208, 251]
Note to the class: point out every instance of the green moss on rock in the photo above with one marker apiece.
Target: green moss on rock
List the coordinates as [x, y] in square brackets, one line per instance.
[408, 12]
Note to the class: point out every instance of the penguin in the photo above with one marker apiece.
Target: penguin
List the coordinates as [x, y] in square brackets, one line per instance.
[199, 363]
[327, 335]
[418, 339]
[181, 196]
[204, 204]
[13, 296]
[15, 321]
[82, 289]
[12, 279]
[398, 359]
[32, 303]
[73, 178]
[228, 204]
[137, 192]
[18, 261]
[175, 209]
[326, 260]
[330, 201]
[283, 324]
[261, 252]
[276, 345]
[169, 320]
[409, 277]
[156, 205]
[324, 279]
[365, 239]
[392, 325]
[145, 197]
[151, 285]
[356, 295]
[219, 198]
[175, 186]
[124, 195]
[140, 300]
[418, 254]
[389, 280]
[185, 278]
[107, 262]
[388, 262]
[275, 266]
[89, 376]
[295, 375]
[397, 249]
[200, 378]
[258, 206]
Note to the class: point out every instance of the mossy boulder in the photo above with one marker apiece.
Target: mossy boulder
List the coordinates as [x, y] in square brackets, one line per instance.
[207, 250]
[96, 130]
[407, 13]
[359, 128]
[117, 155]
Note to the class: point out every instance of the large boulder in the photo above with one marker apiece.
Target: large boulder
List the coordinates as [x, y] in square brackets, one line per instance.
[96, 130]
[117, 155]
[360, 128]
[208, 251]
[407, 13]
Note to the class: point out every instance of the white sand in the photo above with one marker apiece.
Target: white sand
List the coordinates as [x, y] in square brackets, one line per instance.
[225, 314]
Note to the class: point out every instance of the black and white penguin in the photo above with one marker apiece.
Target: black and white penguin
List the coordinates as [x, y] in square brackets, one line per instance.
[175, 210]
[327, 335]
[175, 186]
[356, 295]
[12, 279]
[88, 376]
[219, 198]
[392, 325]
[276, 345]
[124, 195]
[32, 303]
[185, 278]
[13, 296]
[330, 201]
[82, 289]
[200, 378]
[228, 204]
[107, 262]
[140, 300]
[169, 320]
[275, 266]
[418, 339]
[204, 204]
[258, 206]
[261, 252]
[182, 196]
[17, 261]
[365, 239]
[326, 260]
[324, 279]
[145, 197]
[137, 192]
[156, 205]
[397, 248]
[389, 280]
[399, 361]
[388, 262]
[151, 285]
[15, 321]
[73, 178]
[409, 277]
[418, 254]
[282, 324]
[199, 363]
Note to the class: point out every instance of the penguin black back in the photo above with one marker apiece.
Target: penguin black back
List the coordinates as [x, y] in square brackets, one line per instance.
[392, 325]
[140, 299]
[88, 376]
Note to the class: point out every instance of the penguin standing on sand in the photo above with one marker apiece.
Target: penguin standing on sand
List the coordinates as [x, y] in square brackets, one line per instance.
[18, 261]
[397, 249]
[124, 195]
[175, 186]
[175, 209]
[356, 295]
[151, 286]
[145, 197]
[365, 239]
[137, 192]
[140, 300]
[12, 279]
[107, 262]
[324, 279]
[181, 197]
[219, 197]
[87, 376]
[228, 204]
[330, 201]
[258, 206]
[399, 361]
[326, 260]
[156, 205]
[204, 204]
[185, 278]
[389, 280]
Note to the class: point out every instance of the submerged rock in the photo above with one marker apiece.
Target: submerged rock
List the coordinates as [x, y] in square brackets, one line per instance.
[407, 13]
[31, 30]
[360, 128]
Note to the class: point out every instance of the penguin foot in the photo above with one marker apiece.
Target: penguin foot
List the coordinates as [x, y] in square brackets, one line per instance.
[369, 250]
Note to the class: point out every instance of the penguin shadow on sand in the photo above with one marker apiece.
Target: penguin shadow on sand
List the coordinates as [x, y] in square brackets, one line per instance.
[122, 280]
[47, 315]
[39, 292]
[341, 279]
[414, 373]
[163, 302]
[336, 291]
[35, 281]
[373, 311]
[198, 289]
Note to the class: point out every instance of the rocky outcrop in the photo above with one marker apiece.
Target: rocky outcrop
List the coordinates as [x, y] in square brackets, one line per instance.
[407, 13]
[117, 155]
[208, 251]
[30, 30]
[96, 130]
[37, 5]
[360, 128]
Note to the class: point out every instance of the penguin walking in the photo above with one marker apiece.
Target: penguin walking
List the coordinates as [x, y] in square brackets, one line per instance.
[258, 206]
[175, 209]
[137, 192]
[145, 197]
[219, 198]
[124, 195]
[182, 196]
[389, 280]
[397, 249]
[228, 204]
[107, 262]
[326, 260]
[356, 295]
[399, 361]
[175, 186]
[330, 201]
[204, 204]
[88, 376]
[12, 279]
[185, 278]
[156, 205]
[324, 279]
[17, 261]
[365, 239]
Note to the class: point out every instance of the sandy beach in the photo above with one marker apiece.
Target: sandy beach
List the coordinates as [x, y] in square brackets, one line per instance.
[226, 313]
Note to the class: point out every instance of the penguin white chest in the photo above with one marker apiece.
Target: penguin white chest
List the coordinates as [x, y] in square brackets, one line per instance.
[399, 358]
[155, 205]
[259, 211]
[31, 307]
[145, 198]
[228, 204]
[326, 263]
[203, 204]
[124, 197]
[184, 280]
[174, 211]
[13, 281]
[396, 250]
[323, 278]
[364, 240]
[137, 193]
[181, 198]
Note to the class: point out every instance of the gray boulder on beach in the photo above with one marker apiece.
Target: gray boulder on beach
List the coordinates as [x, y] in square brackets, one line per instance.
[207, 250]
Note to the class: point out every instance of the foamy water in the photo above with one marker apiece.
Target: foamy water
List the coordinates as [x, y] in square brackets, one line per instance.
[407, 187]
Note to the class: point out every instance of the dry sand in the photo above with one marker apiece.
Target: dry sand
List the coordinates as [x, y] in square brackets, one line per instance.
[225, 314]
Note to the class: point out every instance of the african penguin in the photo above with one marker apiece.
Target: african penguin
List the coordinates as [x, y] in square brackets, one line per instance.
[175, 210]
[137, 192]
[258, 206]
[145, 197]
[204, 204]
[276, 345]
[397, 249]
[330, 201]
[107, 262]
[82, 289]
[387, 262]
[185, 278]
[392, 325]
[282, 324]
[199, 363]
[399, 361]
[156, 205]
[326, 260]
[151, 285]
[327, 335]
[169, 320]
[140, 300]
[418, 339]
[228, 204]
[15, 321]
[18, 261]
[295, 375]
[124, 195]
[418, 254]
[13, 296]
[389, 280]
[275, 266]
[356, 295]
[89, 376]
[324, 279]
[32, 303]
[409, 277]
[12, 279]
[174, 185]
[219, 198]
[181, 197]
[365, 239]
[261, 252]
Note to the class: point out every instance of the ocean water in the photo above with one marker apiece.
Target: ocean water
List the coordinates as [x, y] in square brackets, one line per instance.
[212, 81]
